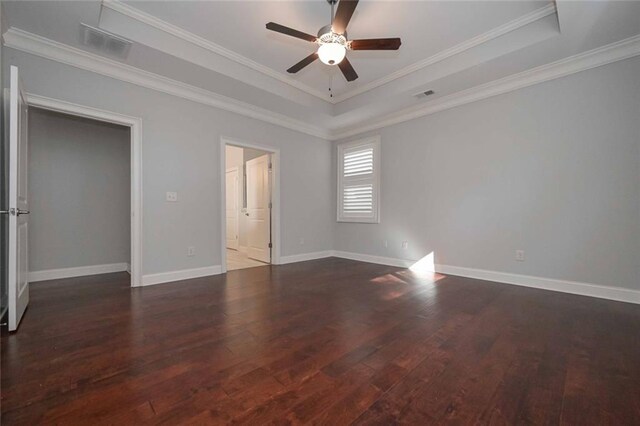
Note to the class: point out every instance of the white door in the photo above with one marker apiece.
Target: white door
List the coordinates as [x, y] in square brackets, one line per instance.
[232, 185]
[18, 203]
[258, 211]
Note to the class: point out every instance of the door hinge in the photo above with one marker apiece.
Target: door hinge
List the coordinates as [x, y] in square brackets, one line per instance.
[270, 205]
[270, 245]
[270, 166]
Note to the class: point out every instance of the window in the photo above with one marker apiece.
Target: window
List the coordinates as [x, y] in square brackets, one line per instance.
[359, 181]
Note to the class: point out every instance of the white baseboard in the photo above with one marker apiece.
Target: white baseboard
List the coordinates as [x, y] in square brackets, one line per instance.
[573, 287]
[185, 274]
[389, 261]
[81, 271]
[584, 289]
[305, 256]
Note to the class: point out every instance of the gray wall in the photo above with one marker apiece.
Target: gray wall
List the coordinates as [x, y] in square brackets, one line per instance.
[79, 192]
[180, 150]
[553, 169]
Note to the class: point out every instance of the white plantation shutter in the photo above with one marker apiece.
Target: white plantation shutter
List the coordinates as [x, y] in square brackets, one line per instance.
[358, 181]
[358, 161]
[358, 199]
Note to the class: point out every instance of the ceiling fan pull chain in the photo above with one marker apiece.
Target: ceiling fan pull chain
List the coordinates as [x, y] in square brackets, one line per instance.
[331, 86]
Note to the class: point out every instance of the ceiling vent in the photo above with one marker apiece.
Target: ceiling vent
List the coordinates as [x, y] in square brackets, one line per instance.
[424, 94]
[104, 42]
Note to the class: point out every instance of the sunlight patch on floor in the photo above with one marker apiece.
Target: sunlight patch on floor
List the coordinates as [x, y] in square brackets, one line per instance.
[425, 269]
[388, 279]
[426, 265]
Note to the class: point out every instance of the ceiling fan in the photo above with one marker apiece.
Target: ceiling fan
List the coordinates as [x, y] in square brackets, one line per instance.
[333, 40]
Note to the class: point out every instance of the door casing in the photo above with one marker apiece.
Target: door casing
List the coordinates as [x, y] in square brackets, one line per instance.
[135, 125]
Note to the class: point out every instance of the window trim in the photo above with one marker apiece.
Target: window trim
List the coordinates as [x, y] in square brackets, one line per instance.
[374, 142]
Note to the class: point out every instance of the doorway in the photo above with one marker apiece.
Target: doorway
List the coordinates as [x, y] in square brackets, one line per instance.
[79, 188]
[249, 188]
[135, 131]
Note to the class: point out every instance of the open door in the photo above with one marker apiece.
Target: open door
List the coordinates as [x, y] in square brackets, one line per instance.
[232, 182]
[18, 284]
[258, 209]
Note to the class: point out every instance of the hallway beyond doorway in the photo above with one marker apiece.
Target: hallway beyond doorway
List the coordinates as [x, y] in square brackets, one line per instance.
[239, 260]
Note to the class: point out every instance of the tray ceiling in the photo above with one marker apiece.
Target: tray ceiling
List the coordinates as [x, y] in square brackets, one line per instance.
[426, 28]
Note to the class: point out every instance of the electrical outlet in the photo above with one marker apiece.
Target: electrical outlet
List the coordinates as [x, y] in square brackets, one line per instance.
[385, 243]
[172, 197]
[520, 255]
[191, 251]
[405, 245]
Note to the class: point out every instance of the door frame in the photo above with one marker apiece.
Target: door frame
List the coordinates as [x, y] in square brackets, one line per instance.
[275, 197]
[135, 126]
[237, 171]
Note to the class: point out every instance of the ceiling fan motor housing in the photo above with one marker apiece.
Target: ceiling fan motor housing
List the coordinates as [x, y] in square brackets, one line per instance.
[327, 29]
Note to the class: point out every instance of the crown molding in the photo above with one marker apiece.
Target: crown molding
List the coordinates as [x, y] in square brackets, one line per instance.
[178, 32]
[49, 49]
[517, 23]
[603, 55]
[40, 46]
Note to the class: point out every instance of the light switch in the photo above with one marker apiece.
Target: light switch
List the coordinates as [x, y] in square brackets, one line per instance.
[172, 197]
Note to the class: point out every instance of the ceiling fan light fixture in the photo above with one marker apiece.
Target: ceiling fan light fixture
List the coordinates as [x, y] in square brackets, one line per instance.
[332, 53]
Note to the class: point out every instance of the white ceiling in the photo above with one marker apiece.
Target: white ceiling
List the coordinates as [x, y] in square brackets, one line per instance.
[448, 46]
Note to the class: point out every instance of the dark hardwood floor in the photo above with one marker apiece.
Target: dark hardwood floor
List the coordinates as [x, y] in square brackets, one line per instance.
[326, 342]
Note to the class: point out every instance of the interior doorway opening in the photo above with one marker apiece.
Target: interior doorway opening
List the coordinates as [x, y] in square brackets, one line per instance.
[248, 196]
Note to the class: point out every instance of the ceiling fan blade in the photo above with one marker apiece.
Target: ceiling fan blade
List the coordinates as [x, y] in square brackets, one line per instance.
[303, 63]
[343, 15]
[290, 32]
[376, 44]
[347, 69]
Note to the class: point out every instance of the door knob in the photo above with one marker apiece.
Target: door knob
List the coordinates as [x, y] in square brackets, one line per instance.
[22, 212]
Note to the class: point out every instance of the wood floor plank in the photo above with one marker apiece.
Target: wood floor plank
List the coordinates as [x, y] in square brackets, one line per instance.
[330, 341]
